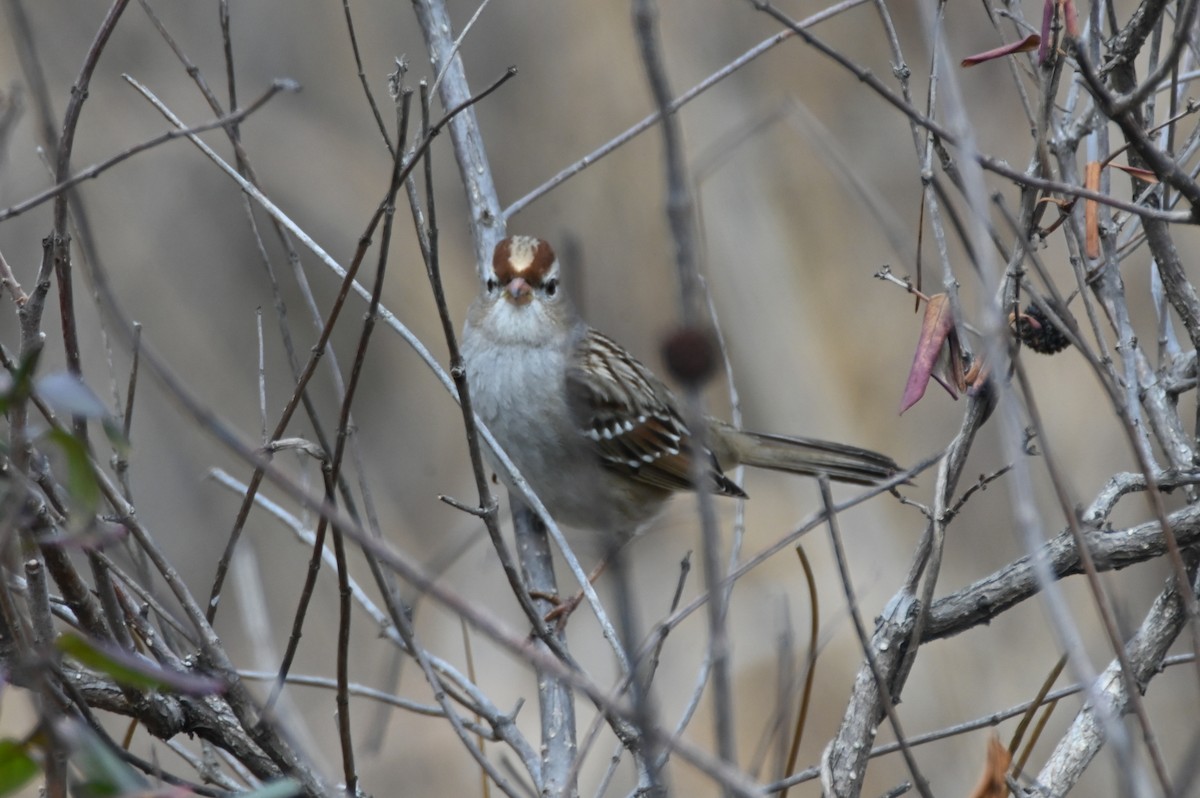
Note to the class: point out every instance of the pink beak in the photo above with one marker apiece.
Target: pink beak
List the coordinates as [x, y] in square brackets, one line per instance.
[519, 291]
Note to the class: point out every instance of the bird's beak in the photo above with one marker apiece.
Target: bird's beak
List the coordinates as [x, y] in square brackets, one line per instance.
[518, 291]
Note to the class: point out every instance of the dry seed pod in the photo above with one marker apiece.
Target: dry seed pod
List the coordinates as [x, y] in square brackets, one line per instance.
[1038, 332]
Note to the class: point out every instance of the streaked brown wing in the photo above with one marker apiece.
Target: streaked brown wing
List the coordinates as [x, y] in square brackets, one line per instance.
[631, 418]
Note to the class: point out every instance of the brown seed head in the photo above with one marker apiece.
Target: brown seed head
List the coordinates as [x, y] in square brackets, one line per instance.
[691, 355]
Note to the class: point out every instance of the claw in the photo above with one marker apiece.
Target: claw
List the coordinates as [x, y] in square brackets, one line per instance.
[563, 608]
[559, 615]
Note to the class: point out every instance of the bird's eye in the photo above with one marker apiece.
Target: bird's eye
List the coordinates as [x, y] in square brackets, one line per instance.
[491, 284]
[551, 287]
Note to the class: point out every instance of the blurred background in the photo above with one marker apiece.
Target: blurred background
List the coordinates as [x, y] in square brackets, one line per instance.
[790, 243]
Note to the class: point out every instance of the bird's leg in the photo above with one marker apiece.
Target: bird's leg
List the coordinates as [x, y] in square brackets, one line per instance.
[563, 608]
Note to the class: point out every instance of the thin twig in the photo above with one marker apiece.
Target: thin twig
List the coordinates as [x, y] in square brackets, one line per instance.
[461, 689]
[683, 99]
[362, 79]
[318, 349]
[96, 169]
[810, 664]
[680, 210]
[990, 164]
[882, 682]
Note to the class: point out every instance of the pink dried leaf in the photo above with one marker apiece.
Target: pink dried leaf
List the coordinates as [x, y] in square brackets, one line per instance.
[1141, 174]
[993, 783]
[1047, 20]
[935, 347]
[1070, 18]
[1030, 42]
[1091, 211]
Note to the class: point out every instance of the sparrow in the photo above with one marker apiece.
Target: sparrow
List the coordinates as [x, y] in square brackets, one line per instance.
[596, 434]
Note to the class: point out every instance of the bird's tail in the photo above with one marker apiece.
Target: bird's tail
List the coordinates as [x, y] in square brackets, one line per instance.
[810, 457]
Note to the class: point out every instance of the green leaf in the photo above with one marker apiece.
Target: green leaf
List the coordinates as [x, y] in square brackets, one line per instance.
[101, 771]
[17, 767]
[19, 383]
[82, 486]
[69, 395]
[284, 788]
[133, 671]
[116, 435]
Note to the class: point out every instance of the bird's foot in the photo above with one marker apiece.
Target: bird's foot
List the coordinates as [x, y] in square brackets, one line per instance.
[562, 609]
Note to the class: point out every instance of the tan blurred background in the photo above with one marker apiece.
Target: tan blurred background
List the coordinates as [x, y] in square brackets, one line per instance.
[818, 347]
